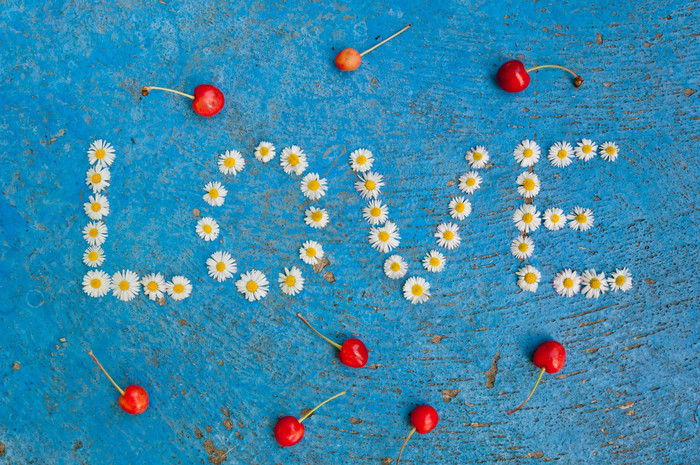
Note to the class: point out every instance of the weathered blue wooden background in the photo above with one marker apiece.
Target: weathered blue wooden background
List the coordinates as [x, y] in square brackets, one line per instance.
[221, 370]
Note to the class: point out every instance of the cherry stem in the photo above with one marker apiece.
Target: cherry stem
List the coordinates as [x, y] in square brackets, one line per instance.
[145, 90]
[404, 444]
[531, 393]
[310, 412]
[578, 80]
[335, 344]
[121, 391]
[384, 41]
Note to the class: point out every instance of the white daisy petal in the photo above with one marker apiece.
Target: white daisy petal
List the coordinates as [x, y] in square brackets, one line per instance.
[231, 162]
[375, 212]
[311, 252]
[522, 247]
[447, 235]
[253, 285]
[567, 283]
[215, 194]
[207, 228]
[620, 280]
[95, 233]
[528, 278]
[94, 256]
[526, 218]
[361, 160]
[101, 153]
[291, 281]
[384, 238]
[416, 290]
[585, 150]
[316, 217]
[221, 266]
[527, 153]
[293, 160]
[581, 219]
[460, 208]
[265, 152]
[98, 178]
[594, 284]
[97, 207]
[395, 267]
[469, 182]
[528, 184]
[609, 151]
[179, 288]
[125, 285]
[369, 185]
[477, 157]
[153, 286]
[313, 186]
[561, 154]
[96, 283]
[554, 219]
[434, 261]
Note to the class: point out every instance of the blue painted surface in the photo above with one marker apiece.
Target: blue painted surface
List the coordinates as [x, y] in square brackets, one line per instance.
[71, 72]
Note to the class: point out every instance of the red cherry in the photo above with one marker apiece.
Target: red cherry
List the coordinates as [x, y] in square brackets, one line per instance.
[289, 430]
[513, 77]
[353, 352]
[550, 356]
[424, 419]
[349, 59]
[206, 101]
[133, 399]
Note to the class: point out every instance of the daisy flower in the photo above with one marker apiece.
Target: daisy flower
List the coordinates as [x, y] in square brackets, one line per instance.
[528, 278]
[594, 284]
[416, 290]
[609, 151]
[567, 283]
[293, 160]
[101, 153]
[316, 217]
[526, 218]
[311, 252]
[554, 219]
[221, 266]
[96, 283]
[153, 286]
[384, 238]
[620, 280]
[561, 154]
[527, 153]
[265, 152]
[477, 157]
[369, 185]
[434, 261]
[375, 212]
[97, 207]
[215, 194]
[231, 162]
[94, 256]
[361, 160]
[395, 267]
[291, 281]
[581, 219]
[586, 149]
[125, 285]
[528, 184]
[95, 233]
[447, 235]
[179, 288]
[522, 247]
[469, 182]
[97, 178]
[207, 228]
[253, 285]
[313, 186]
[460, 208]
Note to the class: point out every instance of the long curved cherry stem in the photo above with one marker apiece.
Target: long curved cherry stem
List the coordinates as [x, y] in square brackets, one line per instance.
[121, 391]
[145, 90]
[384, 41]
[531, 393]
[404, 445]
[308, 414]
[578, 80]
[335, 344]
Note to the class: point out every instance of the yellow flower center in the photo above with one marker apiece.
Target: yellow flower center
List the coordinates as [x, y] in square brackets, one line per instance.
[562, 153]
[230, 162]
[383, 236]
[100, 154]
[470, 182]
[317, 216]
[96, 207]
[293, 159]
[221, 266]
[314, 185]
[459, 208]
[95, 178]
[554, 218]
[290, 281]
[311, 252]
[264, 151]
[124, 285]
[370, 185]
[527, 153]
[586, 148]
[395, 266]
[93, 232]
[620, 280]
[434, 261]
[594, 283]
[417, 290]
[207, 228]
[568, 283]
[178, 288]
[361, 160]
[581, 218]
[252, 286]
[610, 150]
[448, 235]
[529, 184]
[523, 247]
[527, 218]
[375, 212]
[96, 283]
[152, 286]
[477, 156]
[214, 193]
[93, 256]
[530, 278]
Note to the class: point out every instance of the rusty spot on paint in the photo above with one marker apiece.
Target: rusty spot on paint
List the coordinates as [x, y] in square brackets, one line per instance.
[198, 433]
[16, 366]
[437, 339]
[449, 394]
[328, 276]
[355, 421]
[493, 371]
[161, 301]
[387, 461]
[216, 456]
[77, 445]
[228, 424]
[598, 38]
[196, 212]
[321, 264]
[2, 449]
[688, 92]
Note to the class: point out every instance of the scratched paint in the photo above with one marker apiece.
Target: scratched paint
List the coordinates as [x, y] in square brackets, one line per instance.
[221, 370]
